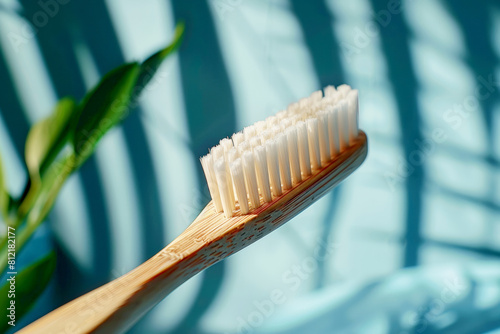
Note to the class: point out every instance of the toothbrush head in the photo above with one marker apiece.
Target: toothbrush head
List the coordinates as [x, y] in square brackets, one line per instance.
[270, 159]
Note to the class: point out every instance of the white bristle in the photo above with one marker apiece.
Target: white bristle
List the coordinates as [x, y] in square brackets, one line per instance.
[276, 130]
[335, 98]
[333, 134]
[217, 152]
[282, 114]
[329, 91]
[294, 119]
[303, 143]
[232, 155]
[273, 156]
[271, 121]
[343, 89]
[313, 139]
[260, 126]
[273, 167]
[324, 143]
[312, 100]
[238, 137]
[316, 96]
[262, 175]
[343, 124]
[314, 108]
[304, 103]
[285, 123]
[293, 108]
[293, 153]
[352, 101]
[207, 164]
[249, 132]
[284, 162]
[227, 145]
[265, 136]
[243, 146]
[254, 142]
[222, 181]
[239, 185]
[327, 102]
[251, 179]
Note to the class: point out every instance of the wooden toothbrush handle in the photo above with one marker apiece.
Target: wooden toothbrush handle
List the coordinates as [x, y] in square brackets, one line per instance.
[117, 305]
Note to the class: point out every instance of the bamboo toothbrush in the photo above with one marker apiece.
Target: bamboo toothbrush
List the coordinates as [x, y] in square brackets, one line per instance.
[259, 179]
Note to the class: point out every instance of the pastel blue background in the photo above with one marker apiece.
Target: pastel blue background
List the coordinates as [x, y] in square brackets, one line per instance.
[410, 243]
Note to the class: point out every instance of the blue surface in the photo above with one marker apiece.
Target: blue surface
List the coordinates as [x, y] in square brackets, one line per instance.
[423, 210]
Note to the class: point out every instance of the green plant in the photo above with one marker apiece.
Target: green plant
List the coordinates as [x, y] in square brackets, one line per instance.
[29, 285]
[57, 146]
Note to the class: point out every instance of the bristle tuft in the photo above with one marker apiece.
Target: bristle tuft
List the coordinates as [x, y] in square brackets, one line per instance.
[262, 175]
[251, 179]
[239, 185]
[313, 138]
[222, 181]
[272, 156]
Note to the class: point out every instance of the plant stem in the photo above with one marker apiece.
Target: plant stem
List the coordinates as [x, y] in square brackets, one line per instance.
[41, 207]
[34, 220]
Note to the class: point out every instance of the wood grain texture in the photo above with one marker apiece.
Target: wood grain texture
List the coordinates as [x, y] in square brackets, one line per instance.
[116, 306]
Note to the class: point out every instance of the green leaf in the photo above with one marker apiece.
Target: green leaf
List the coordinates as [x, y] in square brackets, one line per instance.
[151, 65]
[108, 103]
[103, 107]
[4, 195]
[29, 285]
[47, 137]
